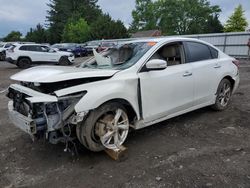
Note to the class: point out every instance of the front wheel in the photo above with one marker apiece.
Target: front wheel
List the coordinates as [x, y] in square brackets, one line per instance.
[224, 93]
[105, 127]
[64, 61]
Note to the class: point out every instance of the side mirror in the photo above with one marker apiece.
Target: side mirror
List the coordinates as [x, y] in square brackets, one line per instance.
[156, 64]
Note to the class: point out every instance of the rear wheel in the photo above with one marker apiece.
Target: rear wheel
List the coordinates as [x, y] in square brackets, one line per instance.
[24, 63]
[224, 93]
[105, 127]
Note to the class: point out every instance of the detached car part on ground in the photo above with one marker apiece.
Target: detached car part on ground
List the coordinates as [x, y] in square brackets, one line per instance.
[133, 85]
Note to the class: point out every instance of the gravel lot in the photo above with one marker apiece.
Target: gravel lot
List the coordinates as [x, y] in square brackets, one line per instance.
[199, 149]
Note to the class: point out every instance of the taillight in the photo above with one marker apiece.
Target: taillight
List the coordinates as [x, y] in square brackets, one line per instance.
[236, 62]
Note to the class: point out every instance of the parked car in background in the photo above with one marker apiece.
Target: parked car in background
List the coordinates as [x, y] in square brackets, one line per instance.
[74, 48]
[91, 45]
[24, 55]
[3, 47]
[133, 85]
[105, 46]
[45, 44]
[56, 46]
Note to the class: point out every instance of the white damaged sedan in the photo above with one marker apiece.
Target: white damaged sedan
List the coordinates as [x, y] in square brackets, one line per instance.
[132, 85]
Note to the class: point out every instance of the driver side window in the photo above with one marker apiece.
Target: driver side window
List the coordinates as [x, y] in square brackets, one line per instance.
[45, 49]
[172, 53]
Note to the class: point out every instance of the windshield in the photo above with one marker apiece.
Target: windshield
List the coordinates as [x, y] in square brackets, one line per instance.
[46, 48]
[8, 45]
[119, 57]
[1, 45]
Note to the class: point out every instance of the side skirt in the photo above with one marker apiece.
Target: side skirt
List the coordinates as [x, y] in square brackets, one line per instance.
[141, 124]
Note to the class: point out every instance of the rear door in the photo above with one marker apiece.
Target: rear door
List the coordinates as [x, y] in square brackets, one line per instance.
[205, 65]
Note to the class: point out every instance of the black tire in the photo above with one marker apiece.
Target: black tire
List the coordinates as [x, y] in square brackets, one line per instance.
[2, 56]
[84, 54]
[24, 63]
[64, 61]
[86, 129]
[220, 103]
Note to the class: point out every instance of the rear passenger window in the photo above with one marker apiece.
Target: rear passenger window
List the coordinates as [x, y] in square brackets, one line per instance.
[197, 52]
[31, 48]
[214, 53]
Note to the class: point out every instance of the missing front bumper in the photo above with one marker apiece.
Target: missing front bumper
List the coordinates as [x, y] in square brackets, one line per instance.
[22, 122]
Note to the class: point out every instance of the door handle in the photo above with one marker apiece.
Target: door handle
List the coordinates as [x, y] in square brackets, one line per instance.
[187, 74]
[217, 66]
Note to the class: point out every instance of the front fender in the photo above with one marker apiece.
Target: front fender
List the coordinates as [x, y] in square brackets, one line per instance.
[103, 91]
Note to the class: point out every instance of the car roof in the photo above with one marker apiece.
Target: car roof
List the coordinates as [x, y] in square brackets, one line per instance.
[18, 44]
[162, 39]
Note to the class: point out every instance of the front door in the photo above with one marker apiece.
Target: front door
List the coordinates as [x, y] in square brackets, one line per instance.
[168, 91]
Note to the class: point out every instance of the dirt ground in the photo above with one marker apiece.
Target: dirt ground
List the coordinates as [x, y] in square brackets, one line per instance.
[199, 149]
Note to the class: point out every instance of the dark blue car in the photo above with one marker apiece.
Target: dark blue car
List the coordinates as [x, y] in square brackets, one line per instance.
[76, 49]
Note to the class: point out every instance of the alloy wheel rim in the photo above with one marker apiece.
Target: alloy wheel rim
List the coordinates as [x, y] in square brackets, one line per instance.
[112, 129]
[225, 94]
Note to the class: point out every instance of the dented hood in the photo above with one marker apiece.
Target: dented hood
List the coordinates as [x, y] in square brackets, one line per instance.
[49, 74]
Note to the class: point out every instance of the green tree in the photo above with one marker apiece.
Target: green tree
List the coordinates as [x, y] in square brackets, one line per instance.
[61, 10]
[106, 28]
[237, 21]
[174, 16]
[185, 16]
[38, 34]
[13, 36]
[76, 31]
[213, 25]
[144, 16]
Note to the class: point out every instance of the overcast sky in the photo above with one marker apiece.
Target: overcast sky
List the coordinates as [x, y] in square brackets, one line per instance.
[22, 14]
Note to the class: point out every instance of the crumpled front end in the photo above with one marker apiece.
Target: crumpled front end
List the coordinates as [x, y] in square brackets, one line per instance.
[43, 115]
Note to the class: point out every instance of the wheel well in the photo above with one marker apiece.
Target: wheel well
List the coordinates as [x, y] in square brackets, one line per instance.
[130, 110]
[21, 57]
[230, 79]
[63, 56]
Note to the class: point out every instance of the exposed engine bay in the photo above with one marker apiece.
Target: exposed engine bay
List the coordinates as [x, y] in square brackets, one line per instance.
[49, 88]
[37, 108]
[52, 120]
